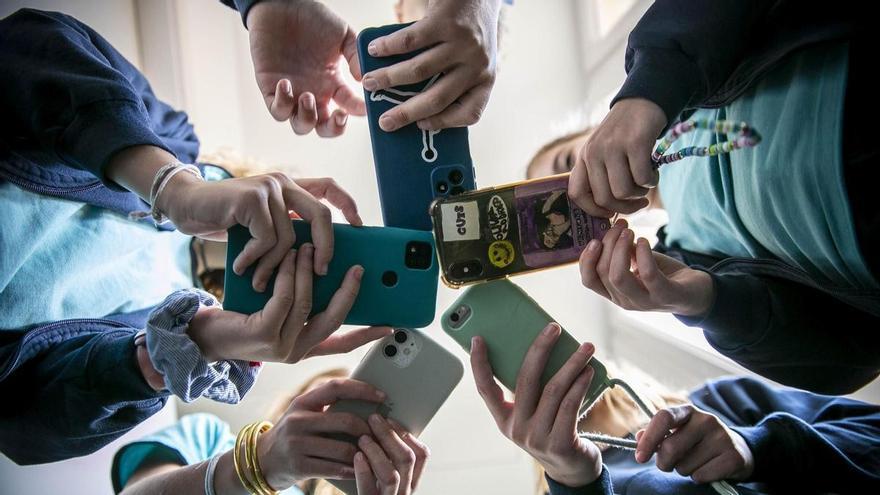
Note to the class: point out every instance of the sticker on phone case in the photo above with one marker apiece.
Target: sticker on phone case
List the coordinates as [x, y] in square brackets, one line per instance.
[498, 218]
[501, 253]
[461, 221]
[552, 229]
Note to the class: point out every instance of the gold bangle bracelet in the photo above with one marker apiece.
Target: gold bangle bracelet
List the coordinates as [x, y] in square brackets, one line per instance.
[241, 469]
[256, 470]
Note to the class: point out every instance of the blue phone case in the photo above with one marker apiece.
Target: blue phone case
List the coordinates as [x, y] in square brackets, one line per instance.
[413, 167]
[409, 301]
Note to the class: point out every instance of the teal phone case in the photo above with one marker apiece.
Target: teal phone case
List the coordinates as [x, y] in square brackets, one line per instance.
[508, 319]
[409, 302]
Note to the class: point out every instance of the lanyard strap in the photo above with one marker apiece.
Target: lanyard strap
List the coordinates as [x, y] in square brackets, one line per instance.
[747, 137]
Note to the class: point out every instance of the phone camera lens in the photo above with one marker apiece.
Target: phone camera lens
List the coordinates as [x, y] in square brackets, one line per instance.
[456, 177]
[400, 337]
[390, 350]
[454, 317]
[419, 255]
[442, 187]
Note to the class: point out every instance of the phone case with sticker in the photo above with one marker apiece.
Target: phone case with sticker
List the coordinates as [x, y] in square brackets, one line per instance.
[509, 320]
[399, 284]
[413, 167]
[418, 377]
[507, 230]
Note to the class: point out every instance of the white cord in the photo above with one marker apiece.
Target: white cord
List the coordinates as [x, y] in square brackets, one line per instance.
[209, 474]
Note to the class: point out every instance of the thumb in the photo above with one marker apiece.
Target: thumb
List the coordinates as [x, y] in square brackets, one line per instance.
[651, 274]
[349, 51]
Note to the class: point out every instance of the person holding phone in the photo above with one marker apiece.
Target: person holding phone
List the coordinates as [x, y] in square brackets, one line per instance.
[768, 439]
[197, 452]
[769, 249]
[90, 340]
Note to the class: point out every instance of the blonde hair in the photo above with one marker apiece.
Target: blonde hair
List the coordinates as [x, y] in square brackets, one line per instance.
[615, 413]
[235, 163]
[565, 138]
[279, 407]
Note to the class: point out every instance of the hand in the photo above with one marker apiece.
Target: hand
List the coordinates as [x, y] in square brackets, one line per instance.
[460, 38]
[614, 169]
[262, 204]
[296, 47]
[657, 282]
[696, 444]
[544, 422]
[392, 464]
[282, 331]
[298, 447]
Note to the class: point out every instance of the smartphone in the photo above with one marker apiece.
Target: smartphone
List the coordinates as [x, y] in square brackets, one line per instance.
[416, 373]
[413, 167]
[509, 321]
[511, 229]
[399, 284]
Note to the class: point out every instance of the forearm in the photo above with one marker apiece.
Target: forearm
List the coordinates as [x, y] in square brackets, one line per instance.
[186, 480]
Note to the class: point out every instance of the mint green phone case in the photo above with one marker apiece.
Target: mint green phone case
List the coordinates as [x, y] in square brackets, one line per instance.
[509, 320]
[408, 302]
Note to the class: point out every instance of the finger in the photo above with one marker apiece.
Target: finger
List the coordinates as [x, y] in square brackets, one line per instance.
[408, 39]
[558, 387]
[654, 280]
[642, 169]
[318, 216]
[284, 236]
[328, 470]
[403, 458]
[306, 115]
[327, 188]
[589, 276]
[383, 468]
[338, 389]
[347, 342]
[350, 52]
[696, 455]
[580, 191]
[466, 110]
[282, 103]
[334, 125]
[602, 194]
[278, 306]
[609, 241]
[420, 449]
[622, 279]
[427, 103]
[716, 469]
[569, 409]
[327, 448]
[417, 69]
[623, 186]
[258, 220]
[366, 481]
[528, 381]
[659, 427]
[349, 101]
[679, 447]
[487, 387]
[324, 423]
[292, 330]
[323, 324]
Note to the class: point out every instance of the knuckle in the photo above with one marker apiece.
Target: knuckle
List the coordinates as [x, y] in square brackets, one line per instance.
[552, 389]
[390, 478]
[408, 41]
[473, 114]
[421, 71]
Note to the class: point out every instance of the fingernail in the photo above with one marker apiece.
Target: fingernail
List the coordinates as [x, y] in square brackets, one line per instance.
[322, 270]
[380, 394]
[359, 456]
[375, 419]
[286, 87]
[309, 103]
[386, 123]
[370, 84]
[373, 48]
[358, 272]
[363, 440]
[307, 248]
[341, 119]
[624, 233]
[551, 329]
[592, 245]
[260, 286]
[586, 348]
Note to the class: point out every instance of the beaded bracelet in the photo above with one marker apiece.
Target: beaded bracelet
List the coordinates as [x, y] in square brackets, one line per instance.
[747, 138]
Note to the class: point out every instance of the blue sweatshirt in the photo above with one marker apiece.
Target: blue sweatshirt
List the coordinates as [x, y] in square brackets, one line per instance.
[802, 443]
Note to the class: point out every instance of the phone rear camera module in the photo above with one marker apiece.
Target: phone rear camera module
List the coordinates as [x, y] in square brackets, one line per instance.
[456, 177]
[400, 337]
[419, 255]
[442, 187]
[458, 317]
[467, 270]
[390, 350]
[389, 279]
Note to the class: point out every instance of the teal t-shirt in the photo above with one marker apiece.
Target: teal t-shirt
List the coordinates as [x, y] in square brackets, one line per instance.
[193, 439]
[63, 259]
[786, 198]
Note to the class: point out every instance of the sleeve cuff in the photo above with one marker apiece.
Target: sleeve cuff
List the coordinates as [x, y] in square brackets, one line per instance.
[725, 324]
[103, 129]
[771, 441]
[602, 486]
[114, 370]
[656, 75]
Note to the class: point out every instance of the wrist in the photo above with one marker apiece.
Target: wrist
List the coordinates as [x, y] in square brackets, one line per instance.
[698, 301]
[135, 167]
[643, 110]
[576, 476]
[199, 332]
[168, 202]
[153, 378]
[274, 474]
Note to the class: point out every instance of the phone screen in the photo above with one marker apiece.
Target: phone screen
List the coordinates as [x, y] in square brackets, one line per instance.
[492, 233]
